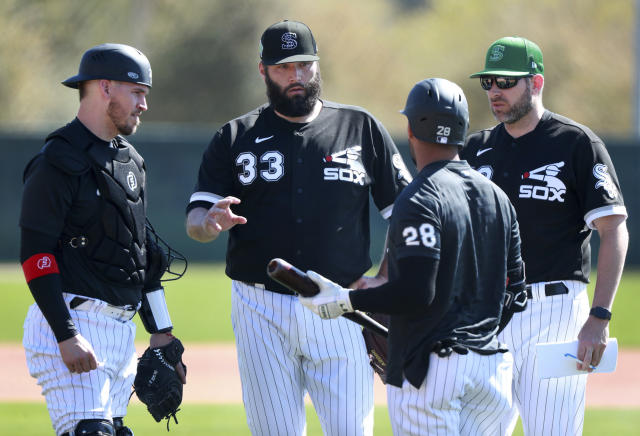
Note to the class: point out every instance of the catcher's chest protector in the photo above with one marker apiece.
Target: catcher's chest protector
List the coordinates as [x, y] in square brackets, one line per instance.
[111, 244]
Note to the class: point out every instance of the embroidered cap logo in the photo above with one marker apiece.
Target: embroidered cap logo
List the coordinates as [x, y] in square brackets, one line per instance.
[289, 41]
[497, 53]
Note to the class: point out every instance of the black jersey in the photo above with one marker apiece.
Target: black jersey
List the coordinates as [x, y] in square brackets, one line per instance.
[454, 215]
[62, 198]
[560, 178]
[304, 189]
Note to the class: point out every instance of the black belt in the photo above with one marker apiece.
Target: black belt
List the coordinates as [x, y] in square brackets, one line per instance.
[551, 289]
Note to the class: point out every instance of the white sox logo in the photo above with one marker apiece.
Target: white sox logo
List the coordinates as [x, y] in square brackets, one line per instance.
[601, 172]
[44, 262]
[354, 172]
[486, 170]
[497, 53]
[131, 181]
[289, 41]
[398, 163]
[554, 188]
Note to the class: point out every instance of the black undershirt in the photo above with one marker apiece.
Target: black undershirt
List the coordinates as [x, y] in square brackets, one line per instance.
[412, 291]
[47, 289]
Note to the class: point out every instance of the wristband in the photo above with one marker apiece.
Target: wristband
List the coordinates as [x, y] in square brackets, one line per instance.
[600, 312]
[154, 312]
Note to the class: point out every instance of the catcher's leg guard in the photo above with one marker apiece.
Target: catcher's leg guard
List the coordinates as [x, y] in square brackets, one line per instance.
[92, 427]
[120, 428]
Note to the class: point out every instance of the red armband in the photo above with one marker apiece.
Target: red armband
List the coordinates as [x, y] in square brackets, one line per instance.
[39, 265]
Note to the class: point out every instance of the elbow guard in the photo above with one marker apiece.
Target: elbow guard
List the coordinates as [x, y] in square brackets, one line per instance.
[154, 312]
[516, 295]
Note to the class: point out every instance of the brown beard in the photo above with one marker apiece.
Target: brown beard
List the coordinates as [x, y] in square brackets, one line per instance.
[298, 105]
[119, 119]
[520, 108]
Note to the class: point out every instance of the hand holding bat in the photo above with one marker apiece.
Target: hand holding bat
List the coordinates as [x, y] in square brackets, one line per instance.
[300, 283]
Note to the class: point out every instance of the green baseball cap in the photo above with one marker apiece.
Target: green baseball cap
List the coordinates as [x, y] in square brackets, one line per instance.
[512, 56]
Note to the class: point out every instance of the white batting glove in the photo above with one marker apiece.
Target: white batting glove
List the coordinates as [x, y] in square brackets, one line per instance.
[332, 301]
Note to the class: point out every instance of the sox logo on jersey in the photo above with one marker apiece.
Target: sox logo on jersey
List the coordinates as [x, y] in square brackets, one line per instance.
[601, 172]
[554, 188]
[354, 172]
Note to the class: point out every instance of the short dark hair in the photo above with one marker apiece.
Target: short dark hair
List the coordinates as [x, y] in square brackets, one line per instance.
[82, 88]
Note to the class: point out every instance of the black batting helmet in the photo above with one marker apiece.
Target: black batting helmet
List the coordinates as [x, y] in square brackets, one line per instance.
[437, 111]
[113, 62]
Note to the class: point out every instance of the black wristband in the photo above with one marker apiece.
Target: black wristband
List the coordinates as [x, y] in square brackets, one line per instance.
[600, 312]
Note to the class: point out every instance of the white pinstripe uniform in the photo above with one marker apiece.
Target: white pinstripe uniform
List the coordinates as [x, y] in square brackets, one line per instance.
[447, 373]
[300, 353]
[104, 392]
[556, 318]
[343, 155]
[559, 178]
[456, 398]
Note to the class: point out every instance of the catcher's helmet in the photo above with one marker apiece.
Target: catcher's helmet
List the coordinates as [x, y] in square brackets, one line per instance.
[113, 62]
[437, 112]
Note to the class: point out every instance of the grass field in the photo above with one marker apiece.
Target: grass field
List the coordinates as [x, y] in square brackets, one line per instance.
[200, 305]
[31, 419]
[200, 310]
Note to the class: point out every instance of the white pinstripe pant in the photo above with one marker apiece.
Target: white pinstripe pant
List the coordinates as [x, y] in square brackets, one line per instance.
[461, 395]
[99, 394]
[284, 350]
[549, 407]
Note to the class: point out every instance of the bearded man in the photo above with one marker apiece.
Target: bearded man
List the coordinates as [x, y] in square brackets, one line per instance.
[273, 165]
[562, 183]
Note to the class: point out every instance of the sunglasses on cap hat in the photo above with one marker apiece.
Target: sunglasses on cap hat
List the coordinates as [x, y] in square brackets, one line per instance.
[502, 82]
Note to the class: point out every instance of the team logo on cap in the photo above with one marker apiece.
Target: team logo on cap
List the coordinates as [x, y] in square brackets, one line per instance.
[133, 75]
[289, 41]
[132, 181]
[497, 53]
[554, 188]
[601, 172]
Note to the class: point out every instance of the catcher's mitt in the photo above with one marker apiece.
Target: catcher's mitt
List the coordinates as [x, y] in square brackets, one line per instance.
[377, 346]
[157, 383]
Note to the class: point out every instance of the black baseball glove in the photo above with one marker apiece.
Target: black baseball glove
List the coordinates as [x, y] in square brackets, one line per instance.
[377, 346]
[157, 383]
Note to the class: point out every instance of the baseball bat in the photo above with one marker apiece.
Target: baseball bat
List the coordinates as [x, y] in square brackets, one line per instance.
[299, 282]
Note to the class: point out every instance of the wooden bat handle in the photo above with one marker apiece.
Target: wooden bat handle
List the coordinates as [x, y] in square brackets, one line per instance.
[299, 282]
[294, 279]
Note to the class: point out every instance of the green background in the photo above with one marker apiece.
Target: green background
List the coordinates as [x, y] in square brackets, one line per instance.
[200, 309]
[200, 305]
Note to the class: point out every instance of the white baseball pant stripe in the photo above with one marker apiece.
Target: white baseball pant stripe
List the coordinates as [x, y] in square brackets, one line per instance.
[462, 395]
[284, 351]
[99, 394]
[552, 406]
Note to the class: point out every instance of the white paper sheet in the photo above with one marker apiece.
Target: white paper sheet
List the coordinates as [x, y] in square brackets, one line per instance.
[553, 362]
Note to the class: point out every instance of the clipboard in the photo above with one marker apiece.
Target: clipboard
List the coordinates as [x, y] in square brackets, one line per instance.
[555, 359]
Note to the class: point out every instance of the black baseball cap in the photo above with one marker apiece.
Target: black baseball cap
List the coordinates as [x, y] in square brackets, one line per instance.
[287, 41]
